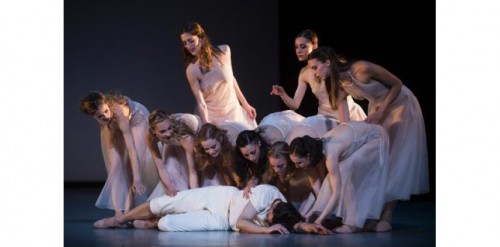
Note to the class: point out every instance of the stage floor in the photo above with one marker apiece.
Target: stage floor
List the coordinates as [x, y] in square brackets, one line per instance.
[414, 225]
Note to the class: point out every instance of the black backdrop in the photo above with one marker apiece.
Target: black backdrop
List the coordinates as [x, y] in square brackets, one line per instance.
[134, 46]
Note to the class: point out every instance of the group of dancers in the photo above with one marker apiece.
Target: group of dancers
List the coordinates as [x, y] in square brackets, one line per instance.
[338, 171]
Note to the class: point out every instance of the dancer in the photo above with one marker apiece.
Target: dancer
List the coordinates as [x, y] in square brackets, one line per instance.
[123, 124]
[292, 183]
[176, 162]
[392, 105]
[220, 208]
[305, 42]
[250, 159]
[210, 75]
[356, 156]
[214, 154]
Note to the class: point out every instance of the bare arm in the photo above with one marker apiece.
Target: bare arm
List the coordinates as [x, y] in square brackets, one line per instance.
[248, 108]
[332, 164]
[187, 144]
[343, 108]
[245, 222]
[294, 103]
[193, 76]
[124, 125]
[373, 71]
[159, 163]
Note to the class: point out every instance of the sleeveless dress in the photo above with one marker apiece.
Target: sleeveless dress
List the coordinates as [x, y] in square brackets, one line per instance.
[217, 87]
[356, 113]
[176, 161]
[116, 193]
[314, 126]
[408, 172]
[363, 173]
[275, 126]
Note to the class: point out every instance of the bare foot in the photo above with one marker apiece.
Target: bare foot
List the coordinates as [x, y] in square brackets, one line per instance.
[370, 225]
[346, 229]
[108, 223]
[383, 226]
[331, 223]
[145, 224]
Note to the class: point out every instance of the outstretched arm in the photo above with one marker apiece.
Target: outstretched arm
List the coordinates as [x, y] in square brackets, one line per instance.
[187, 144]
[193, 75]
[124, 125]
[294, 103]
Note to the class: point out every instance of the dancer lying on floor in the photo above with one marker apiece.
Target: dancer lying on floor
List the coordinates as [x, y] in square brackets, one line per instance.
[218, 208]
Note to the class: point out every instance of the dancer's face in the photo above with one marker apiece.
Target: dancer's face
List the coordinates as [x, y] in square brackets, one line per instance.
[303, 47]
[191, 43]
[103, 113]
[163, 131]
[279, 165]
[300, 162]
[320, 70]
[212, 147]
[251, 152]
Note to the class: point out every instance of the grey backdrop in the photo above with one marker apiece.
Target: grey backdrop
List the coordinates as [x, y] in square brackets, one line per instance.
[134, 47]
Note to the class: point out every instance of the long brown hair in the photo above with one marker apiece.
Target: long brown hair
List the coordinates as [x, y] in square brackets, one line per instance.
[323, 54]
[92, 100]
[278, 150]
[179, 128]
[207, 50]
[224, 159]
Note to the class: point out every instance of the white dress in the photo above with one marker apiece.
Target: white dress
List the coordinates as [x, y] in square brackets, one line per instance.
[356, 113]
[314, 126]
[175, 160]
[363, 168]
[217, 87]
[408, 173]
[116, 193]
[276, 126]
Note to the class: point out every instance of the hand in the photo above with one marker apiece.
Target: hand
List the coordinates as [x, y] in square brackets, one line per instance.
[138, 187]
[374, 117]
[277, 228]
[250, 111]
[247, 191]
[170, 191]
[277, 90]
[313, 228]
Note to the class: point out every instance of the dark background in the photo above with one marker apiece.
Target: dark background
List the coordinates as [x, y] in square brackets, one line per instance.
[134, 47]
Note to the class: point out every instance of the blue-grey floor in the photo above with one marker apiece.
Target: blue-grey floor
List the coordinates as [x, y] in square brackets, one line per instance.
[414, 225]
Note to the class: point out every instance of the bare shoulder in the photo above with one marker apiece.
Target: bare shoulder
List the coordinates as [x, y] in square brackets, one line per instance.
[225, 48]
[305, 75]
[362, 70]
[360, 66]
